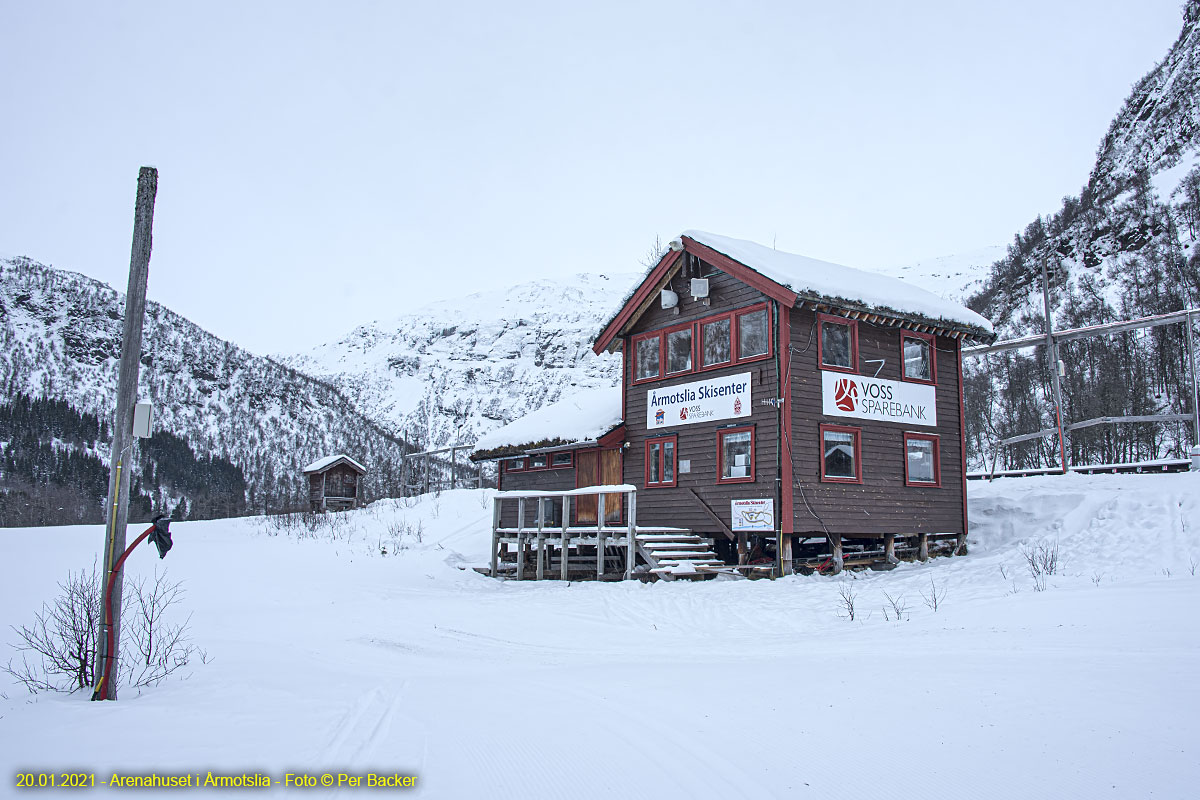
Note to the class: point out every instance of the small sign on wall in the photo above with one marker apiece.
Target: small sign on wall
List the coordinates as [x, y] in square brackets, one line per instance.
[752, 515]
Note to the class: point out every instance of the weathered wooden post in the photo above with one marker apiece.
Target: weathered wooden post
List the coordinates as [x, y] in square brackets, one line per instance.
[1052, 354]
[631, 537]
[599, 536]
[889, 548]
[453, 466]
[107, 663]
[496, 536]
[541, 539]
[923, 550]
[520, 538]
[566, 549]
[838, 560]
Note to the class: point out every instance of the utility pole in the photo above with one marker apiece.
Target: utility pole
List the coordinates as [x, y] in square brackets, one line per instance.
[1052, 353]
[122, 442]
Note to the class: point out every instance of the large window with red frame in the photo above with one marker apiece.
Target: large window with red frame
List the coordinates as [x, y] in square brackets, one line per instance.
[838, 343]
[841, 454]
[661, 461]
[717, 341]
[922, 461]
[917, 355]
[735, 454]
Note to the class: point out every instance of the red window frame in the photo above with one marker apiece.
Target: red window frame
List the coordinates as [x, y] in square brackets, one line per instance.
[858, 465]
[937, 460]
[570, 462]
[514, 465]
[666, 366]
[529, 462]
[674, 439]
[721, 434]
[928, 337]
[698, 342]
[661, 356]
[697, 327]
[853, 325]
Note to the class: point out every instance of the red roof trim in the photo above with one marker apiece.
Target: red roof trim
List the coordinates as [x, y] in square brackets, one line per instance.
[613, 438]
[613, 328]
[740, 271]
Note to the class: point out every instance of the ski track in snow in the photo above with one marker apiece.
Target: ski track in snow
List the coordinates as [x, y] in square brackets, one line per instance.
[327, 656]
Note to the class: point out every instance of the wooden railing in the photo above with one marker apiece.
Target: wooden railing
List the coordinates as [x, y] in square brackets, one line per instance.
[543, 534]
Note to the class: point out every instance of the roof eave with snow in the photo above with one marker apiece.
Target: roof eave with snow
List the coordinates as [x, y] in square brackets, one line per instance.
[328, 462]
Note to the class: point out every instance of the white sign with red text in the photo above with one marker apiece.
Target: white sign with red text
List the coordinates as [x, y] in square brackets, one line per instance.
[700, 401]
[859, 396]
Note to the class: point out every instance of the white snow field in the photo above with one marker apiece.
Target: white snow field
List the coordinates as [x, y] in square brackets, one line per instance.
[327, 657]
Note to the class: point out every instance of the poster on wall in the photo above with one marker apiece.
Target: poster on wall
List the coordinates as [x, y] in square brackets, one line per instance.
[699, 401]
[752, 515]
[863, 397]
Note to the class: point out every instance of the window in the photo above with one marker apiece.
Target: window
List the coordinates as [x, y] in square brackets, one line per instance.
[679, 350]
[714, 342]
[841, 451]
[538, 461]
[735, 455]
[562, 460]
[515, 465]
[838, 343]
[660, 461]
[917, 351]
[646, 360]
[922, 462]
[752, 334]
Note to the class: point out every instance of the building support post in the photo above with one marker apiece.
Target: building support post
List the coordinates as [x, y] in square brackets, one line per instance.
[889, 548]
[785, 539]
[520, 539]
[566, 549]
[742, 549]
[1052, 354]
[838, 562]
[107, 664]
[631, 537]
[496, 536]
[599, 536]
[923, 552]
[541, 539]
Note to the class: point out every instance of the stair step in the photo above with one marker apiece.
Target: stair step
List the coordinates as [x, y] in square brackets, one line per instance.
[702, 555]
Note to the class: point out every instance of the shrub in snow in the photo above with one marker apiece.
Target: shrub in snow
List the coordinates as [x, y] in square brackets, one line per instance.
[935, 596]
[1042, 559]
[58, 651]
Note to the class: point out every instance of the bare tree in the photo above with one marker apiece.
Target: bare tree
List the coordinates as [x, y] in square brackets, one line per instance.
[846, 595]
[935, 596]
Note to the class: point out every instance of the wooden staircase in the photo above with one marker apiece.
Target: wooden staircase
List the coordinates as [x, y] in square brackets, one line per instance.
[671, 554]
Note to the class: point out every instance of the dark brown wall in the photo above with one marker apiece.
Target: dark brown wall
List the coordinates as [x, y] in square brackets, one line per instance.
[532, 480]
[882, 503]
[677, 507]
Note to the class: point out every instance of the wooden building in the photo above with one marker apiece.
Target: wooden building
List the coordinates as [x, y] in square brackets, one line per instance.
[796, 411]
[335, 483]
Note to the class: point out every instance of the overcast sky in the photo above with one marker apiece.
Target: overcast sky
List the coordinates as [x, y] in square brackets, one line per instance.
[322, 165]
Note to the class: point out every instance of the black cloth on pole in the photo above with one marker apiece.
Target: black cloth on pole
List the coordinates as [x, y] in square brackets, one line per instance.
[161, 535]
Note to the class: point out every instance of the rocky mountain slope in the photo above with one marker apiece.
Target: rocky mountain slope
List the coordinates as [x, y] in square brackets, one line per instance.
[456, 369]
[60, 340]
[1127, 246]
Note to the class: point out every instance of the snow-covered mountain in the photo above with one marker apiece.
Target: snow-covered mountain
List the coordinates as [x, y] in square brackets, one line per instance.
[456, 369]
[1127, 246]
[60, 339]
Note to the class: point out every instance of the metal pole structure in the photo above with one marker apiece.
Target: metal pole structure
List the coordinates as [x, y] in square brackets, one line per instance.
[107, 663]
[1192, 362]
[1052, 352]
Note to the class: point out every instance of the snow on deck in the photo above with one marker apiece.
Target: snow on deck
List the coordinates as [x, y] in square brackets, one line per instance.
[582, 417]
[812, 277]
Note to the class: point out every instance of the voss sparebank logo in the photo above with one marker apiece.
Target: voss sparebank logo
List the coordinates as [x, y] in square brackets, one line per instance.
[845, 395]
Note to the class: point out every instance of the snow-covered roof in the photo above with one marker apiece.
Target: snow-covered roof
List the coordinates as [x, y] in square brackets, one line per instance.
[582, 417]
[328, 461]
[809, 277]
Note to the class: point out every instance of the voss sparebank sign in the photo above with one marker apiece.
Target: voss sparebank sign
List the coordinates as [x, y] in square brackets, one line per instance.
[861, 397]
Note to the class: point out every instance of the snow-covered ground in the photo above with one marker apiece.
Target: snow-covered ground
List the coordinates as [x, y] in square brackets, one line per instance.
[327, 656]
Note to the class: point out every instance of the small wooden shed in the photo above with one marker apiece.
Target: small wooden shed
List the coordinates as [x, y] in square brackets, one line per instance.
[335, 483]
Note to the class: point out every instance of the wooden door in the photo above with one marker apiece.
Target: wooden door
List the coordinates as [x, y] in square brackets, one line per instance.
[587, 473]
[598, 468]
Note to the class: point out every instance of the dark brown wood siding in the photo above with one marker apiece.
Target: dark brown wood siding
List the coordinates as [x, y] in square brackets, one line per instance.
[677, 506]
[554, 480]
[881, 503]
